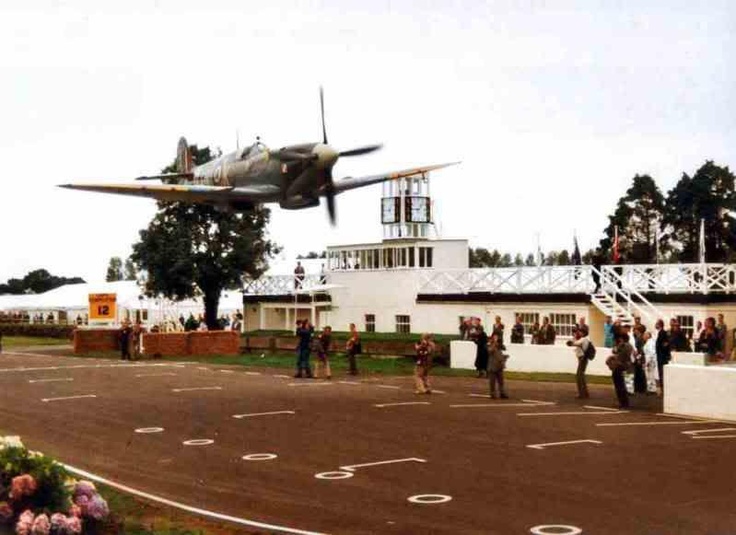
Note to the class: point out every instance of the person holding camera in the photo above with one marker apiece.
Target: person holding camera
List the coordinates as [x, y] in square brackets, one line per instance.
[619, 363]
[581, 343]
[353, 348]
[424, 349]
[304, 332]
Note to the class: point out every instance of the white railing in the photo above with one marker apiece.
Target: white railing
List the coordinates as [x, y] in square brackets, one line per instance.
[643, 278]
[283, 284]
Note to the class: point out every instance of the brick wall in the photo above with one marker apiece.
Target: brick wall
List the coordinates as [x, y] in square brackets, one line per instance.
[87, 340]
[191, 343]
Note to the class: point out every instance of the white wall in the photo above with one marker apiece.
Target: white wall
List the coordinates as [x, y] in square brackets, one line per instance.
[702, 391]
[534, 358]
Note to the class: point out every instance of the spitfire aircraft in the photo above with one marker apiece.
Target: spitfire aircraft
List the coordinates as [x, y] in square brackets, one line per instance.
[296, 177]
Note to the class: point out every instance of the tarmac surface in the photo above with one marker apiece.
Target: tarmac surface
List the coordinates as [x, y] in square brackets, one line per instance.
[366, 455]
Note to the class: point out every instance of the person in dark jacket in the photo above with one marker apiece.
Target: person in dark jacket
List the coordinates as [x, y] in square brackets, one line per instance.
[517, 332]
[481, 352]
[620, 362]
[662, 345]
[496, 365]
[678, 340]
[304, 333]
[125, 334]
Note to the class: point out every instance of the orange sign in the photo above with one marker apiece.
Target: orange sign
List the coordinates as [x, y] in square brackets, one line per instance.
[102, 307]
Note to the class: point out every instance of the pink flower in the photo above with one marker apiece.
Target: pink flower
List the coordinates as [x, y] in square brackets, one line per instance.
[41, 526]
[73, 525]
[22, 486]
[75, 511]
[25, 523]
[97, 508]
[58, 523]
[84, 488]
[6, 513]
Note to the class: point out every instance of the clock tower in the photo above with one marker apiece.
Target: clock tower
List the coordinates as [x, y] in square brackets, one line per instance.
[406, 208]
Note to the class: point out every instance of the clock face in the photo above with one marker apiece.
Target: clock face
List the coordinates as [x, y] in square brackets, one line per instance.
[389, 210]
[418, 209]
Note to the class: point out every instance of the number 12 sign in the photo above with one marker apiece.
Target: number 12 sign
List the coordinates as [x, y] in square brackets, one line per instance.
[102, 307]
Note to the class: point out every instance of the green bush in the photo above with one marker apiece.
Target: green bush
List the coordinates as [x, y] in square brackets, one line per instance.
[51, 494]
[37, 330]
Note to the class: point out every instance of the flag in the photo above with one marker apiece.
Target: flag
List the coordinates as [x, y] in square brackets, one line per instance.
[615, 245]
[539, 251]
[577, 260]
[701, 244]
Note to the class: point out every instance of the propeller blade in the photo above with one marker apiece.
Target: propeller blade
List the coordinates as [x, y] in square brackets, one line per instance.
[322, 109]
[330, 196]
[360, 150]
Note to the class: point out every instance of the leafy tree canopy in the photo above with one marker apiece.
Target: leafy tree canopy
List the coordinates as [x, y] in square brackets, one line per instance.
[37, 281]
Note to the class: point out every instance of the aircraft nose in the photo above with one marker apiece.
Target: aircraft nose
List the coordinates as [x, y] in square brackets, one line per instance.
[326, 155]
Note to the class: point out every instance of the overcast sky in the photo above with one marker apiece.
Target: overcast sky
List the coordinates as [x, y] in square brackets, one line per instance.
[552, 107]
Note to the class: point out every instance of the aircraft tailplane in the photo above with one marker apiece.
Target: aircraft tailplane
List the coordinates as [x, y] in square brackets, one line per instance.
[184, 163]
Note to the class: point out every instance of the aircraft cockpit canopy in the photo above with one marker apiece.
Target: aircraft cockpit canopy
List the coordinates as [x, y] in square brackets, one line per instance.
[254, 149]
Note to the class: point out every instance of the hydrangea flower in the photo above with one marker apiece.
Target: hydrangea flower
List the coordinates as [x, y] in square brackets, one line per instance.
[73, 525]
[41, 525]
[22, 486]
[58, 524]
[82, 502]
[25, 523]
[75, 511]
[97, 508]
[84, 488]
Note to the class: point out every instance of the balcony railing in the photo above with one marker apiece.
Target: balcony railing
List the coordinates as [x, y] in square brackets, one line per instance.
[283, 285]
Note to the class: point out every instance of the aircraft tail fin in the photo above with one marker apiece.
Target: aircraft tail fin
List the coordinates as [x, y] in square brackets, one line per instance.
[184, 162]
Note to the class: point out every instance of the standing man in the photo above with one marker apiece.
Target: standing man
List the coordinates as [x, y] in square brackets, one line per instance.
[678, 340]
[498, 329]
[353, 348]
[322, 366]
[547, 333]
[125, 335]
[304, 332]
[424, 349]
[722, 331]
[481, 351]
[581, 344]
[620, 362]
[298, 276]
[496, 364]
[608, 332]
[662, 348]
[517, 332]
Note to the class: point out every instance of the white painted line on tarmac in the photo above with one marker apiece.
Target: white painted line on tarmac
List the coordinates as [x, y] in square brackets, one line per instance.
[205, 368]
[80, 366]
[353, 383]
[496, 405]
[162, 374]
[438, 391]
[149, 430]
[542, 446]
[382, 405]
[701, 431]
[595, 407]
[392, 387]
[714, 436]
[196, 388]
[621, 424]
[226, 371]
[47, 400]
[253, 373]
[334, 475]
[280, 376]
[569, 413]
[537, 402]
[354, 467]
[310, 384]
[189, 508]
[556, 530]
[57, 380]
[253, 414]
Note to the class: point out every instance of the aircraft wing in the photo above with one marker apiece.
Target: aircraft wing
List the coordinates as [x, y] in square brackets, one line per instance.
[349, 183]
[182, 192]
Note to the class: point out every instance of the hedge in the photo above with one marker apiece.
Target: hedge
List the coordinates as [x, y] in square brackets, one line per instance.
[37, 330]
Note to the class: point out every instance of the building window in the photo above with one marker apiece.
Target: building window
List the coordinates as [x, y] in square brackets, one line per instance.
[403, 324]
[527, 319]
[563, 323]
[425, 257]
[370, 323]
[687, 324]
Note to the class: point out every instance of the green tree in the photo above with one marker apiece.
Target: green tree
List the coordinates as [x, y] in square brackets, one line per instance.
[114, 269]
[189, 249]
[130, 272]
[518, 260]
[37, 281]
[708, 195]
[638, 216]
[563, 259]
[530, 260]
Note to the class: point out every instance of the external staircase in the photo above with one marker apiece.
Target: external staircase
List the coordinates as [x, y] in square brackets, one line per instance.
[620, 300]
